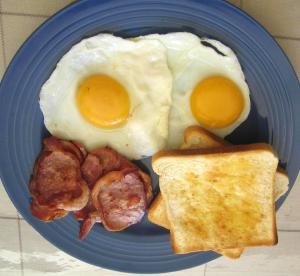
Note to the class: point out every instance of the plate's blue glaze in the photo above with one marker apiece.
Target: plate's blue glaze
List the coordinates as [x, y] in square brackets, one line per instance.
[274, 117]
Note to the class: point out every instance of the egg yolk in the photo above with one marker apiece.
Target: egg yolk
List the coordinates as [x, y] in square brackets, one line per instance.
[103, 101]
[216, 102]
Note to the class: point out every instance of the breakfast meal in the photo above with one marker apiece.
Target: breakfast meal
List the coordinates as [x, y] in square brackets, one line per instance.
[171, 96]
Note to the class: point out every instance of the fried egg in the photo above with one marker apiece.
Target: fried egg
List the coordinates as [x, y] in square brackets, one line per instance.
[209, 87]
[110, 91]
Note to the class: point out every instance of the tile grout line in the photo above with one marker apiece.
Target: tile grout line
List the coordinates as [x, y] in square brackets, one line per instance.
[286, 37]
[289, 231]
[205, 267]
[24, 14]
[9, 218]
[21, 248]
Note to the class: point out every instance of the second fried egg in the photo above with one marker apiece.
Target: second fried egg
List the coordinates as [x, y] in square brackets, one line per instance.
[209, 87]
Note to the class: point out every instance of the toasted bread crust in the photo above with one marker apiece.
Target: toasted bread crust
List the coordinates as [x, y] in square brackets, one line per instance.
[188, 153]
[204, 134]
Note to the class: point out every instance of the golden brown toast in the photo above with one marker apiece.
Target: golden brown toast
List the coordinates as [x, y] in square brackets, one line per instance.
[219, 198]
[196, 137]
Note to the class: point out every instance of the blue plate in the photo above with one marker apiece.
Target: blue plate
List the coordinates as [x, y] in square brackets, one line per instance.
[274, 118]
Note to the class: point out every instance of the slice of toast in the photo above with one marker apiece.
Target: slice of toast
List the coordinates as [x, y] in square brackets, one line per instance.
[219, 198]
[196, 137]
[281, 183]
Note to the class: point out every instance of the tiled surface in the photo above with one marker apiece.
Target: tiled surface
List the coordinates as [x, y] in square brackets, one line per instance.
[10, 257]
[18, 19]
[292, 49]
[7, 209]
[39, 256]
[282, 259]
[235, 2]
[2, 66]
[280, 17]
[16, 28]
[33, 7]
[288, 216]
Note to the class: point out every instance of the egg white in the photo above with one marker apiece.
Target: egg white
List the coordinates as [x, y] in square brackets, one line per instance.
[190, 62]
[141, 67]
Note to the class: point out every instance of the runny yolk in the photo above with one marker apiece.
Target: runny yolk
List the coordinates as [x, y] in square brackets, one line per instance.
[103, 101]
[216, 102]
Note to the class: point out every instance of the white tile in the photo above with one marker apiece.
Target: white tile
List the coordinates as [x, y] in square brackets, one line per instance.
[237, 3]
[16, 29]
[247, 273]
[282, 259]
[7, 209]
[40, 256]
[39, 7]
[288, 216]
[292, 49]
[280, 17]
[195, 271]
[10, 258]
[11, 273]
[2, 65]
